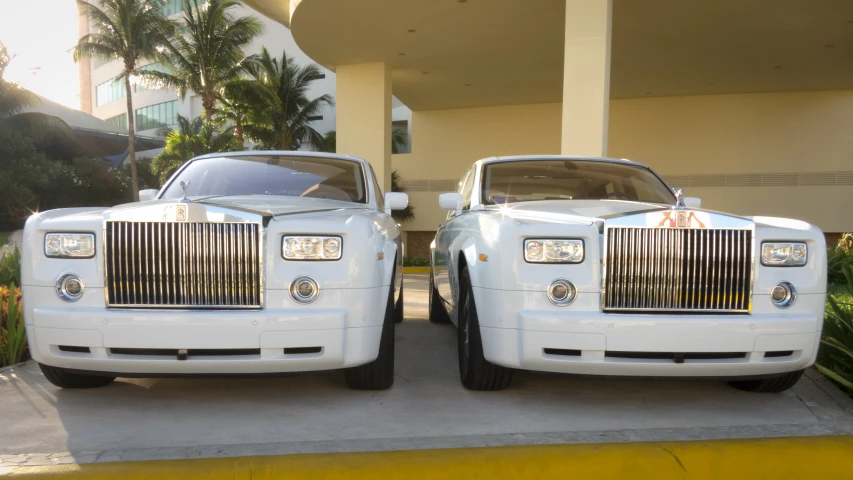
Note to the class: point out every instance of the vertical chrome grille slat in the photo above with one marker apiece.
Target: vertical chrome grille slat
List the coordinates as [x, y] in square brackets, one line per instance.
[672, 269]
[183, 265]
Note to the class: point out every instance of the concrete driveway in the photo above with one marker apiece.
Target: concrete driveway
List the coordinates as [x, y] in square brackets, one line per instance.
[142, 419]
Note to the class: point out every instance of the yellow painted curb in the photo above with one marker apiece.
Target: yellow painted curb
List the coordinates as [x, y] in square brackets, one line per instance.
[780, 458]
[416, 269]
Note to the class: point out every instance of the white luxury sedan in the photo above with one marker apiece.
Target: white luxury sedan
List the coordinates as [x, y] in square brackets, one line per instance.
[596, 266]
[244, 263]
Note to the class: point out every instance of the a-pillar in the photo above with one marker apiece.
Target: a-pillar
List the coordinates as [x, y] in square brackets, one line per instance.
[363, 116]
[586, 77]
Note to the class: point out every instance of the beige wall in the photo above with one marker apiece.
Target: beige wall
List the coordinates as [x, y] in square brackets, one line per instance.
[446, 142]
[722, 134]
[770, 133]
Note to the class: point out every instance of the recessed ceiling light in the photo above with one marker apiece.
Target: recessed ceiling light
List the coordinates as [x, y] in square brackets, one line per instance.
[412, 30]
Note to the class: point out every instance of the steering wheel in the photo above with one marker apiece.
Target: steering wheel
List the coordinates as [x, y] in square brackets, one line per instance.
[615, 196]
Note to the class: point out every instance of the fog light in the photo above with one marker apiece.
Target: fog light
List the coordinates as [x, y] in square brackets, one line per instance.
[304, 289]
[69, 287]
[783, 295]
[561, 292]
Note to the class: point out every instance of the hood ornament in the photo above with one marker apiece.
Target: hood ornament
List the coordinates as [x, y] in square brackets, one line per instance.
[184, 186]
[679, 197]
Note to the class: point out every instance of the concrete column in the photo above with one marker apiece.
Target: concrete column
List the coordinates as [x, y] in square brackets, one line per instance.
[363, 115]
[586, 77]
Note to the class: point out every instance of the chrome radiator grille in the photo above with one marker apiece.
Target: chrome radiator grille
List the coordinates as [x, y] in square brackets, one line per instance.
[667, 269]
[183, 265]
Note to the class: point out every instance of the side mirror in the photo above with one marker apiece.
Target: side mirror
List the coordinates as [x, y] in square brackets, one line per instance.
[451, 201]
[692, 202]
[149, 194]
[395, 201]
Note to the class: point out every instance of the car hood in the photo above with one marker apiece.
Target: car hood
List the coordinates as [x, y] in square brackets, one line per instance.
[265, 205]
[583, 212]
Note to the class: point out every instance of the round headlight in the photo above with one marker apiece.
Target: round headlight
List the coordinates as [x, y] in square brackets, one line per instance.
[69, 287]
[304, 289]
[561, 292]
[783, 294]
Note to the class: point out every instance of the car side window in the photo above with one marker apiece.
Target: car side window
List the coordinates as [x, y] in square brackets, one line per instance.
[380, 199]
[466, 189]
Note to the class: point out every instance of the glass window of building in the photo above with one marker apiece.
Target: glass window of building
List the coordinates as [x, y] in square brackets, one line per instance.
[157, 116]
[118, 120]
[172, 7]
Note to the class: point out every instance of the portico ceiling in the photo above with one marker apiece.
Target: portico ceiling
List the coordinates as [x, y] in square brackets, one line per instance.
[469, 53]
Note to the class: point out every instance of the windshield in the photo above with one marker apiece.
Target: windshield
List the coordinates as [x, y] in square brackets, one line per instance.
[271, 175]
[525, 181]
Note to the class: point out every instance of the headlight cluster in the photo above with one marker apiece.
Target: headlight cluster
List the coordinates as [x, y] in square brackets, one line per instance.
[784, 254]
[69, 245]
[311, 248]
[546, 250]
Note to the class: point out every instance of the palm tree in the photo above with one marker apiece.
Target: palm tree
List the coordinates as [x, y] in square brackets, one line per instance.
[239, 99]
[284, 123]
[191, 139]
[14, 99]
[132, 31]
[207, 52]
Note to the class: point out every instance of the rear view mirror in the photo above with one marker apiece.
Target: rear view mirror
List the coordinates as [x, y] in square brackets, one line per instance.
[451, 201]
[396, 201]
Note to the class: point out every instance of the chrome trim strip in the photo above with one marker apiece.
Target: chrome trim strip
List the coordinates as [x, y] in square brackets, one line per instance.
[667, 269]
[204, 265]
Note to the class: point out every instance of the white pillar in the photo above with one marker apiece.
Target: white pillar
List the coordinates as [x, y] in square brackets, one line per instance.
[363, 115]
[586, 77]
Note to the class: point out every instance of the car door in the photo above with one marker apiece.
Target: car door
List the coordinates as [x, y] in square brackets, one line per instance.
[443, 258]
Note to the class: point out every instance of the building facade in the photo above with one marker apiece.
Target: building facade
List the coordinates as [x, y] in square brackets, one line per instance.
[104, 97]
[745, 104]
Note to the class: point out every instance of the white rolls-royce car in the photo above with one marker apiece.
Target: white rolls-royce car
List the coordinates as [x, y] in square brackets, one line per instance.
[596, 266]
[243, 263]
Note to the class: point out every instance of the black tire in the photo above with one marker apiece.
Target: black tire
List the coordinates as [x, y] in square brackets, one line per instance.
[378, 374]
[475, 372]
[437, 312]
[769, 385]
[398, 308]
[62, 378]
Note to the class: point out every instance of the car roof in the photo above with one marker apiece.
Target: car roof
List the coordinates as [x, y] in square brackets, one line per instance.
[524, 158]
[282, 153]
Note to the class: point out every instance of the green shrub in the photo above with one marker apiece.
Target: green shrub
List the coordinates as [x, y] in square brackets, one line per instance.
[10, 267]
[415, 262]
[13, 336]
[838, 258]
[836, 356]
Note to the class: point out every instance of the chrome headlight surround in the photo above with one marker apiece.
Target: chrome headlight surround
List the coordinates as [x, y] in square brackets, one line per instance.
[553, 250]
[70, 287]
[69, 245]
[311, 247]
[784, 254]
[304, 289]
[562, 292]
[783, 294]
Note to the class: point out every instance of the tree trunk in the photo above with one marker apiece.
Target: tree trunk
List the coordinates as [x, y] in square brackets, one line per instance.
[208, 102]
[131, 139]
[238, 130]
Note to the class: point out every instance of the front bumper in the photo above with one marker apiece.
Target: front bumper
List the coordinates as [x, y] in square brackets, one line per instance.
[519, 330]
[341, 329]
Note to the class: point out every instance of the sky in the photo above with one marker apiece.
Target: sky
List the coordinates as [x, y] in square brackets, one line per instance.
[40, 34]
